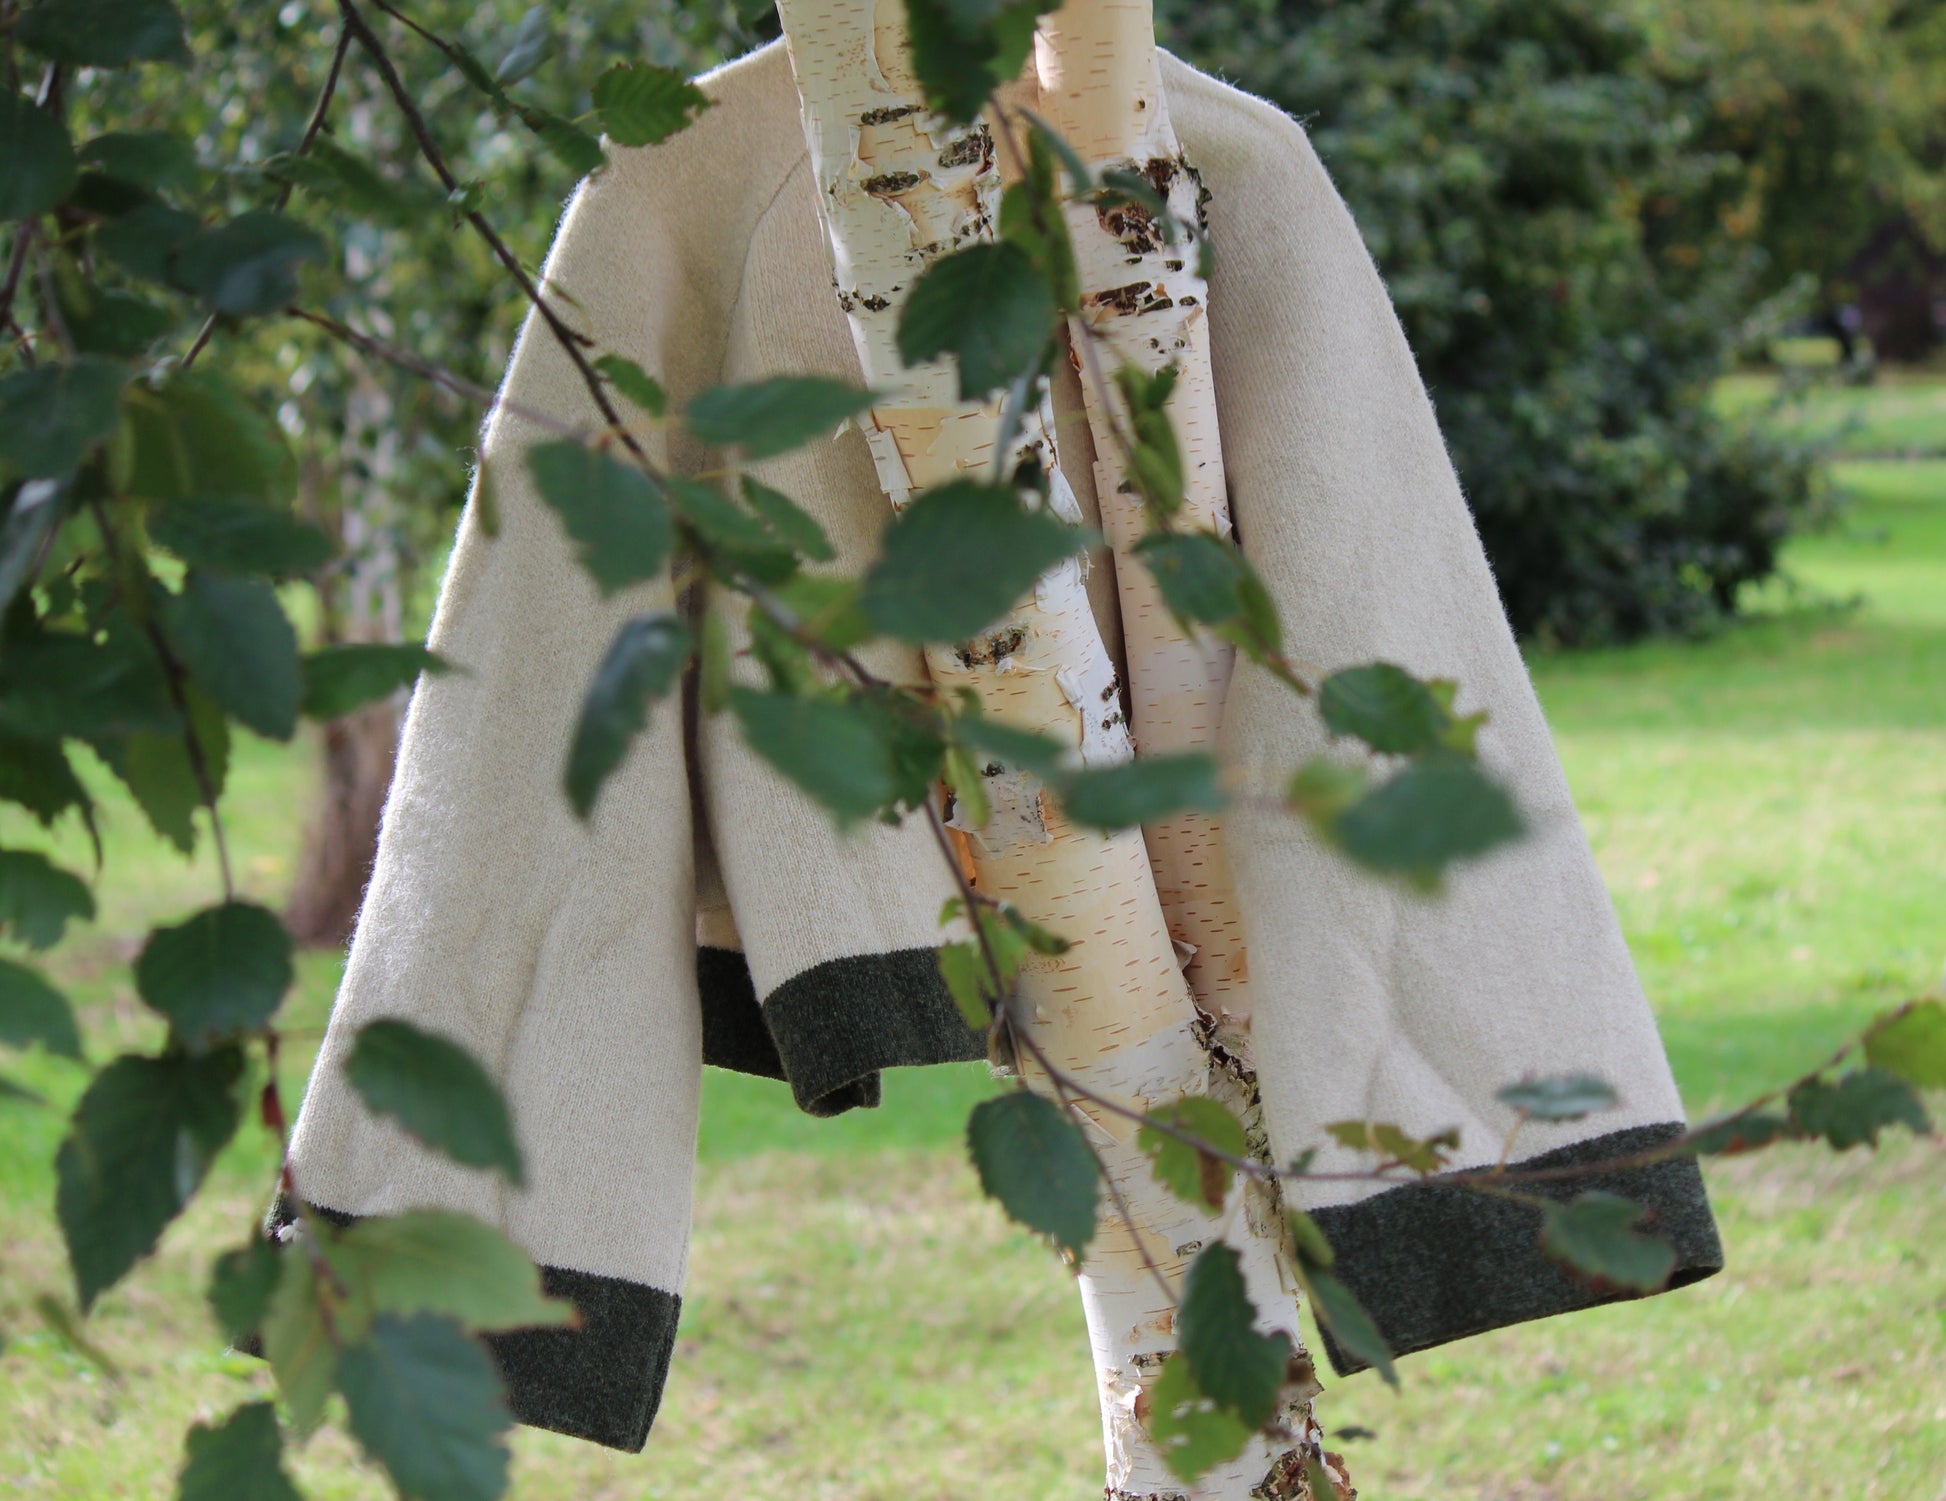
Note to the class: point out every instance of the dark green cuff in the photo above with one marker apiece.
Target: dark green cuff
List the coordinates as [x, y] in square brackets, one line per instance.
[601, 1381]
[1434, 1263]
[830, 1029]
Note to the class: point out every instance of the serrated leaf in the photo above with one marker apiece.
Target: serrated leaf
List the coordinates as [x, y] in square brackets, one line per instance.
[634, 382]
[1188, 1172]
[161, 777]
[239, 536]
[1031, 1157]
[36, 775]
[788, 521]
[962, 50]
[104, 33]
[1235, 1365]
[52, 415]
[614, 512]
[1207, 580]
[142, 1137]
[1339, 1311]
[735, 536]
[36, 158]
[225, 970]
[1595, 1236]
[642, 664]
[339, 679]
[769, 417]
[1156, 787]
[240, 1460]
[436, 1261]
[1911, 1044]
[425, 1401]
[242, 1284]
[198, 435]
[1853, 1110]
[1565, 1097]
[641, 104]
[828, 748]
[248, 265]
[1436, 811]
[436, 1091]
[33, 1011]
[988, 307]
[1193, 1433]
[569, 144]
[37, 898]
[233, 636]
[1383, 705]
[958, 558]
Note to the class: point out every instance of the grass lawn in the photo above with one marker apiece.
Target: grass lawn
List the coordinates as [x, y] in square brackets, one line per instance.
[1769, 809]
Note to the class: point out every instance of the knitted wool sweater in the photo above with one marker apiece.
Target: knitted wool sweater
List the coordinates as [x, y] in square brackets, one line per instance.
[710, 913]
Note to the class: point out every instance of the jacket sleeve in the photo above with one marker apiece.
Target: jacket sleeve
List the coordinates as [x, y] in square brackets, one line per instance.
[1371, 1003]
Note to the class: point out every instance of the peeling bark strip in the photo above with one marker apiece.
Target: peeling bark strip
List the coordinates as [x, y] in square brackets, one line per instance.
[897, 189]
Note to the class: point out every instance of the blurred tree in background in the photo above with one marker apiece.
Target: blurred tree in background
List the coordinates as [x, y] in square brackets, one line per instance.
[1534, 179]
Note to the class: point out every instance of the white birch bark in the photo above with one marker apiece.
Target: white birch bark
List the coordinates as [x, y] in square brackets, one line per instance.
[896, 189]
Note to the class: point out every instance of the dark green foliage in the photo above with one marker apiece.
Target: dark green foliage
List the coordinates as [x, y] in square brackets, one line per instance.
[1193, 1175]
[614, 512]
[1032, 1158]
[1438, 810]
[425, 1401]
[339, 679]
[1520, 171]
[242, 1459]
[51, 414]
[1119, 797]
[1385, 706]
[642, 664]
[33, 1011]
[233, 636]
[1595, 1236]
[1207, 580]
[1338, 1309]
[222, 972]
[1235, 1366]
[634, 382]
[240, 536]
[768, 417]
[240, 1286]
[788, 521]
[988, 307]
[1852, 1110]
[831, 748]
[36, 159]
[247, 266]
[1911, 1044]
[142, 1138]
[37, 898]
[963, 49]
[104, 33]
[1193, 1432]
[640, 103]
[437, 1092]
[957, 558]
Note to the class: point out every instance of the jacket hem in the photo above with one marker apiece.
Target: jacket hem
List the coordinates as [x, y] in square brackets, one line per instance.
[601, 1380]
[1433, 1263]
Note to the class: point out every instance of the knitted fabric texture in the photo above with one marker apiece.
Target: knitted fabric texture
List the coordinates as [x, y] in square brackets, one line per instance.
[708, 912]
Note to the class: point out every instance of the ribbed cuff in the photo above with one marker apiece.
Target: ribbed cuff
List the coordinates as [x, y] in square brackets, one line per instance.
[1434, 1263]
[601, 1381]
[830, 1029]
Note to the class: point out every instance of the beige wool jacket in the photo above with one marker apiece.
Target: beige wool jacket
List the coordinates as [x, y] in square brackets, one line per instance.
[711, 913]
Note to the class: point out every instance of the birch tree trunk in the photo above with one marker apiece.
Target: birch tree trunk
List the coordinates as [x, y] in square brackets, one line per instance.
[897, 188]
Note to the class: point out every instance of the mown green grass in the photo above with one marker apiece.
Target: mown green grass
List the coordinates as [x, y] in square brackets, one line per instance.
[1769, 809]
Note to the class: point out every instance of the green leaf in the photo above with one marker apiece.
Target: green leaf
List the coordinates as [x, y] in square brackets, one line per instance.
[36, 775]
[1911, 1044]
[1207, 580]
[437, 1092]
[989, 307]
[340, 679]
[1194, 1434]
[36, 158]
[32, 509]
[151, 159]
[342, 177]
[1188, 1172]
[1234, 1364]
[1594, 1235]
[248, 265]
[962, 50]
[1436, 811]
[242, 1460]
[240, 536]
[198, 435]
[436, 1261]
[297, 1340]
[10, 1090]
[1567, 1097]
[641, 104]
[162, 778]
[614, 512]
[425, 1401]
[1041, 754]
[828, 748]
[730, 532]
[788, 521]
[225, 970]
[635, 383]
[964, 969]
[570, 145]
[233, 636]
[1741, 1133]
[52, 415]
[141, 1140]
[769, 417]
[56, 683]
[1390, 1144]
[142, 240]
[33, 1011]
[957, 559]
[104, 33]
[1852, 1111]
[1119, 797]
[37, 898]
[1032, 1158]
[969, 807]
[643, 663]
[115, 323]
[527, 49]
[1338, 1310]
[1385, 706]
[1321, 789]
[242, 1284]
